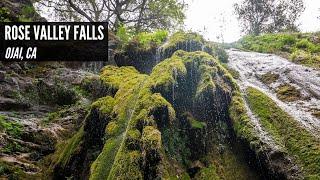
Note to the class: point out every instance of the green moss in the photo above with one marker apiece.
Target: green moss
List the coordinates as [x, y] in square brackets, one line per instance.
[269, 78]
[297, 47]
[11, 171]
[133, 124]
[151, 137]
[133, 139]
[104, 104]
[112, 128]
[208, 173]
[286, 131]
[166, 73]
[127, 166]
[235, 74]
[183, 37]
[287, 92]
[102, 165]
[133, 102]
[12, 128]
[5, 15]
[195, 123]
[242, 124]
[190, 41]
[65, 150]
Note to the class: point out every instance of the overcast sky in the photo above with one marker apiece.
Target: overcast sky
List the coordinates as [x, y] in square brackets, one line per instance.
[206, 17]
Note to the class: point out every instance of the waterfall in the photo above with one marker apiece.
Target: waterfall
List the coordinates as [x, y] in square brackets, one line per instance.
[158, 54]
[174, 84]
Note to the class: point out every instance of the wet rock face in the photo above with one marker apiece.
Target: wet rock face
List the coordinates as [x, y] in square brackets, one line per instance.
[39, 106]
[142, 60]
[152, 118]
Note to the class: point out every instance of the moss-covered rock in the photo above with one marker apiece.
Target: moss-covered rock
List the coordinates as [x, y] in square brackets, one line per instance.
[269, 78]
[273, 162]
[145, 59]
[139, 120]
[301, 48]
[299, 143]
[287, 92]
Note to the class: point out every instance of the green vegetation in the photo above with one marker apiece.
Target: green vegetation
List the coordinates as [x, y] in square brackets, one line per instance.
[133, 105]
[4, 14]
[66, 149]
[287, 92]
[104, 104]
[181, 37]
[101, 166]
[299, 143]
[143, 40]
[11, 128]
[269, 78]
[235, 74]
[27, 13]
[242, 123]
[297, 47]
[11, 172]
[205, 66]
[190, 41]
[195, 123]
[209, 172]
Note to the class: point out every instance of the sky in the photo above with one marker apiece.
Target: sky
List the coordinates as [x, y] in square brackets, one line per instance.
[207, 17]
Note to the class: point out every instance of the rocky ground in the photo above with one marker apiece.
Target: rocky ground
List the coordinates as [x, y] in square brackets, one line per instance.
[40, 105]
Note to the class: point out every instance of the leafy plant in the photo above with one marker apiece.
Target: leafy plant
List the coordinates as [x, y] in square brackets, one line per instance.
[13, 129]
[142, 40]
[4, 14]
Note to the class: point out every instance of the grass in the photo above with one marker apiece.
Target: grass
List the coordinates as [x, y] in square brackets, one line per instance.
[234, 73]
[11, 128]
[208, 172]
[301, 48]
[300, 143]
[66, 149]
[142, 40]
[288, 93]
[195, 124]
[269, 78]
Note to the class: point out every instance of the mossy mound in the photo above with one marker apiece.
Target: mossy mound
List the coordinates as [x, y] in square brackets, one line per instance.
[144, 59]
[269, 78]
[301, 48]
[143, 129]
[273, 163]
[287, 92]
[186, 119]
[190, 42]
[299, 143]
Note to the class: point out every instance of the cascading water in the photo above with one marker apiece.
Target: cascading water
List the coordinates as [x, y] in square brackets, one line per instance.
[251, 65]
[175, 83]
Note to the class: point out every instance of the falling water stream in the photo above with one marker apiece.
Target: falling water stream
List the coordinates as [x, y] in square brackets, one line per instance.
[251, 65]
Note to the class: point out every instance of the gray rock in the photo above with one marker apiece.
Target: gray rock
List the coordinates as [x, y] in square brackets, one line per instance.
[12, 104]
[2, 76]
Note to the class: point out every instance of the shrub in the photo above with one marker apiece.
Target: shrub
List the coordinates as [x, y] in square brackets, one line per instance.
[142, 40]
